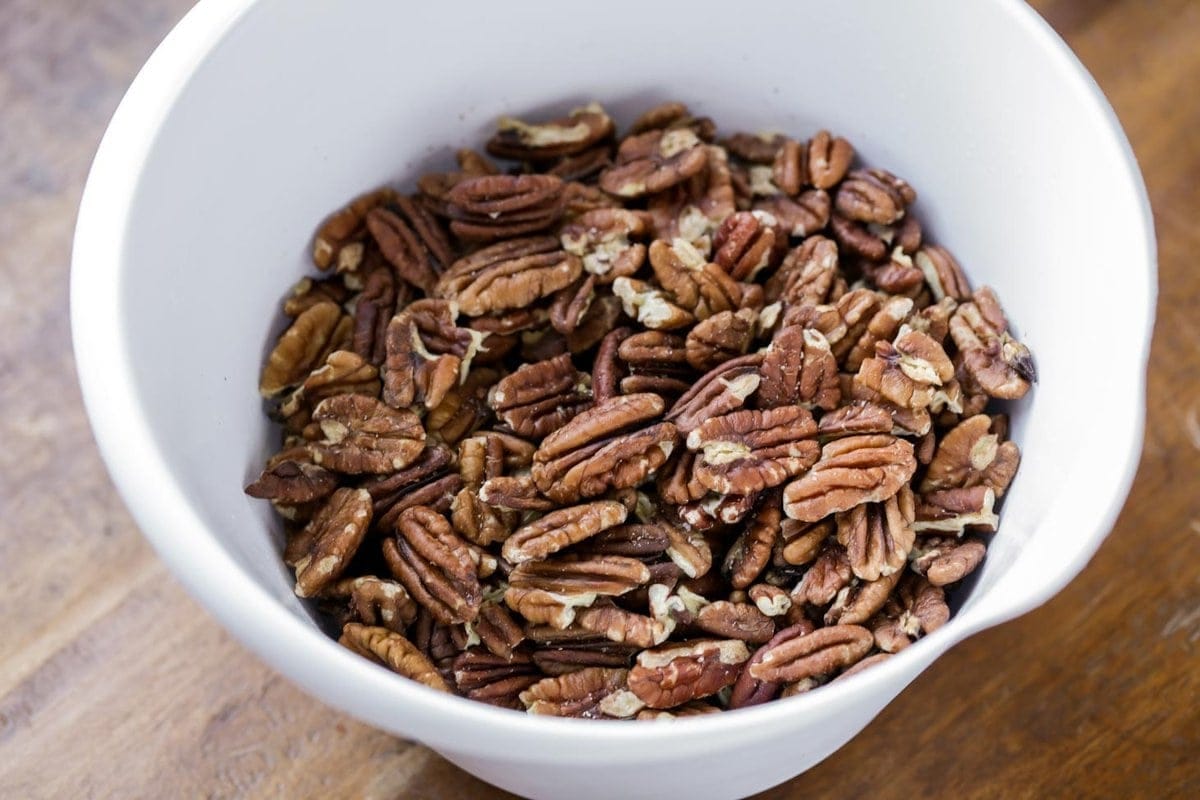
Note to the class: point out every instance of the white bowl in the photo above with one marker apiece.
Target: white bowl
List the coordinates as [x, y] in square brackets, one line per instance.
[253, 119]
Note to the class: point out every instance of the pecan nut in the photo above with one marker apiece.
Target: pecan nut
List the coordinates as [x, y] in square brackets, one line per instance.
[291, 477]
[313, 335]
[493, 207]
[575, 694]
[723, 336]
[749, 690]
[411, 240]
[998, 363]
[653, 161]
[601, 241]
[362, 435]
[512, 274]
[722, 389]
[828, 159]
[435, 566]
[569, 135]
[562, 528]
[971, 455]
[751, 551]
[335, 533]
[953, 510]
[874, 195]
[878, 536]
[375, 601]
[822, 652]
[916, 609]
[540, 398]
[393, 651]
[675, 674]
[748, 451]
[735, 621]
[908, 372]
[853, 470]
[799, 368]
[427, 354]
[339, 239]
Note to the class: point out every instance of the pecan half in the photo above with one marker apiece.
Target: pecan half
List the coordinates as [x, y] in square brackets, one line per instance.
[362, 435]
[575, 694]
[652, 161]
[423, 482]
[942, 273]
[719, 391]
[568, 135]
[1001, 365]
[953, 510]
[291, 477]
[800, 542]
[719, 338]
[916, 609]
[873, 195]
[673, 675]
[971, 455]
[857, 418]
[857, 603]
[828, 159]
[946, 560]
[339, 239]
[829, 574]
[853, 470]
[314, 334]
[749, 690]
[511, 274]
[496, 680]
[540, 398]
[412, 241]
[908, 372]
[748, 451]
[751, 551]
[552, 591]
[427, 354]
[807, 275]
[561, 528]
[748, 242]
[798, 216]
[735, 621]
[657, 362]
[624, 627]
[375, 601]
[650, 306]
[335, 534]
[434, 565]
[878, 536]
[698, 286]
[373, 311]
[799, 368]
[822, 652]
[493, 207]
[393, 651]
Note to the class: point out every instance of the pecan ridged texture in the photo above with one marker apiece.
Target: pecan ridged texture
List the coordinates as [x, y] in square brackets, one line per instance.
[435, 566]
[853, 470]
[511, 274]
[362, 435]
[653, 161]
[748, 451]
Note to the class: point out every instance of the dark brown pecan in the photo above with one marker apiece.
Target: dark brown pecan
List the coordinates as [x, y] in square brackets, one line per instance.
[606, 368]
[719, 391]
[829, 574]
[494, 207]
[799, 368]
[822, 652]
[908, 372]
[435, 566]
[916, 609]
[291, 477]
[857, 418]
[735, 621]
[670, 676]
[698, 286]
[375, 601]
[1001, 365]
[511, 274]
[942, 273]
[751, 551]
[539, 399]
[561, 528]
[946, 560]
[624, 627]
[755, 148]
[601, 241]
[857, 603]
[334, 536]
[362, 435]
[373, 311]
[516, 492]
[971, 455]
[878, 536]
[412, 241]
[634, 540]
[568, 306]
[749, 690]
[800, 542]
[393, 651]
[874, 195]
[427, 354]
[559, 658]
[496, 680]
[748, 242]
[543, 141]
[798, 216]
[427, 481]
[719, 338]
[828, 159]
[575, 694]
[656, 361]
[652, 161]
[339, 239]
[314, 334]
[748, 451]
[953, 510]
[853, 470]
[589, 455]
[857, 239]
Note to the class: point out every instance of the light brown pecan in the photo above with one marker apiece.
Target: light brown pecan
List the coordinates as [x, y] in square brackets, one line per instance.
[854, 419]
[575, 694]
[748, 451]
[496, 680]
[800, 542]
[656, 361]
[878, 536]
[874, 195]
[375, 601]
[719, 391]
[789, 170]
[905, 421]
[601, 240]
[511, 274]
[908, 372]
[314, 334]
[857, 603]
[821, 652]
[853, 470]
[343, 372]
[464, 408]
[946, 560]
[942, 273]
[590, 455]
[770, 600]
[689, 550]
[650, 306]
[799, 369]
[828, 159]
[291, 477]
[971, 455]
[1001, 365]
[561, 528]
[652, 161]
[412, 241]
[916, 609]
[339, 240]
[719, 338]
[335, 534]
[623, 627]
[882, 326]
[494, 207]
[749, 690]
[393, 651]
[362, 435]
[748, 242]
[574, 133]
[434, 565]
[670, 676]
[735, 621]
[517, 492]
[539, 398]
[797, 216]
[751, 551]
[697, 285]
[427, 354]
[953, 510]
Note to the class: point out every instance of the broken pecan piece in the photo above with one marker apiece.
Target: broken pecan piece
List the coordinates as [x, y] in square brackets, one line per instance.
[601, 240]
[427, 354]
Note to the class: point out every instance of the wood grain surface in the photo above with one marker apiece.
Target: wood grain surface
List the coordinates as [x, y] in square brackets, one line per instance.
[114, 684]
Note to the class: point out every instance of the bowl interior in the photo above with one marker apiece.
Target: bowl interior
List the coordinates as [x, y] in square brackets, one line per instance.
[295, 111]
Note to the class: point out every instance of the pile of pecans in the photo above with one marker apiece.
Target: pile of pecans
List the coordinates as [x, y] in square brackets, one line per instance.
[638, 428]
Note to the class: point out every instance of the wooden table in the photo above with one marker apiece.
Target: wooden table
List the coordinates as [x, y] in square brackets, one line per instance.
[114, 684]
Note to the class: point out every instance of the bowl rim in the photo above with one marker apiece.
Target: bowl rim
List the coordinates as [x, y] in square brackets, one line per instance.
[370, 692]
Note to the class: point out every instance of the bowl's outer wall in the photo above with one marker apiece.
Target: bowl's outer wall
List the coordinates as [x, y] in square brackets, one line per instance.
[230, 148]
